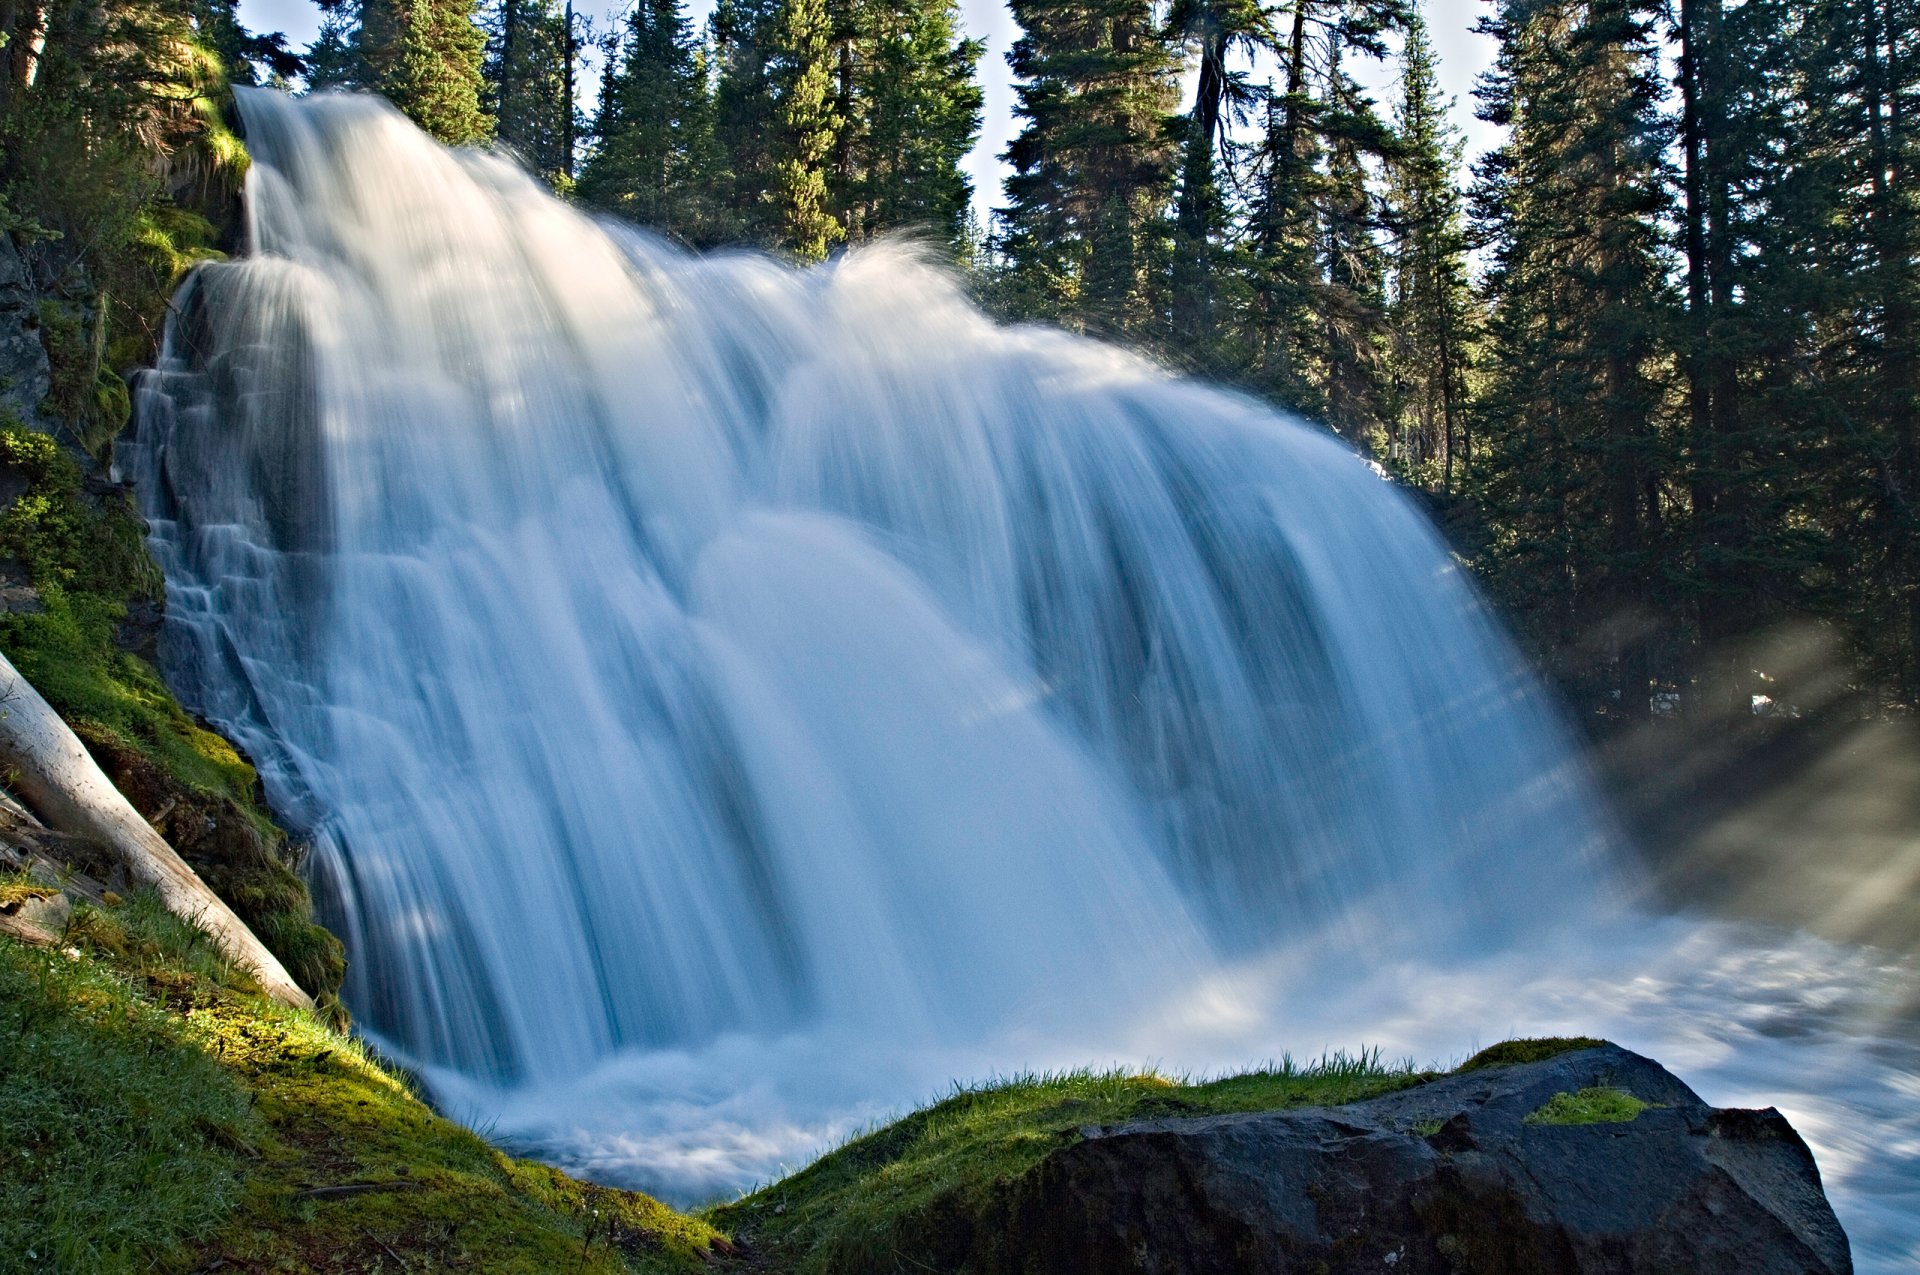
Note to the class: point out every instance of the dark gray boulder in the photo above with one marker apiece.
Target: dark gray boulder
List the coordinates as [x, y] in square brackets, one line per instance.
[1448, 1178]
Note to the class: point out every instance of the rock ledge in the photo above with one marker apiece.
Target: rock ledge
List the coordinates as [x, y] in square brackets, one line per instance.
[1447, 1178]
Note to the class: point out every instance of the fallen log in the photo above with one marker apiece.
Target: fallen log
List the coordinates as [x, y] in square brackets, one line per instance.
[53, 771]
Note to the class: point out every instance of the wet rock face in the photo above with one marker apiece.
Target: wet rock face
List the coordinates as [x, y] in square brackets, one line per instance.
[1450, 1178]
[25, 374]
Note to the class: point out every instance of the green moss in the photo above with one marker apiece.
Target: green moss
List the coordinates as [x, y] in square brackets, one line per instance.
[1601, 1105]
[1533, 1049]
[58, 535]
[859, 1205]
[12, 892]
[186, 1121]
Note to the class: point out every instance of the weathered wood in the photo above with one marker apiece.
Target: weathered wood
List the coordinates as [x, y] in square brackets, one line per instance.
[53, 771]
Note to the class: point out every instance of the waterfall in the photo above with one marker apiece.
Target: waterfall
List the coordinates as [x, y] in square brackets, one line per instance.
[690, 672]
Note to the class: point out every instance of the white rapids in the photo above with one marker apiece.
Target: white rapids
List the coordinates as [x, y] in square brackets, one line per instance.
[730, 702]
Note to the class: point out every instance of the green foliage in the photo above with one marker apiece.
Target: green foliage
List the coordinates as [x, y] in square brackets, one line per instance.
[910, 104]
[809, 125]
[855, 1208]
[61, 538]
[656, 153]
[1433, 316]
[1589, 1106]
[1573, 442]
[1533, 1049]
[87, 561]
[85, 394]
[425, 56]
[529, 84]
[156, 1113]
[1085, 231]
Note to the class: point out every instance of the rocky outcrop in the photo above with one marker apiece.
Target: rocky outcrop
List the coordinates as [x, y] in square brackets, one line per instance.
[25, 374]
[1460, 1175]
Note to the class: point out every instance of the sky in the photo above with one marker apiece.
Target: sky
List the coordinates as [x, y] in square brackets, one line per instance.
[1463, 55]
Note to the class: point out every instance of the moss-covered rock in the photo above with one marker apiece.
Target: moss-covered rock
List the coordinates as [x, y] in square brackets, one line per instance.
[1341, 1170]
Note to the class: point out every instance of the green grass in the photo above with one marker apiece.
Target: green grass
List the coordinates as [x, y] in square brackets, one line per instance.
[119, 1135]
[1528, 1049]
[157, 1114]
[1600, 1105]
[883, 1193]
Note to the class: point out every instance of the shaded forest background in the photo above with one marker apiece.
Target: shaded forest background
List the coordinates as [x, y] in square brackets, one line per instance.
[1653, 362]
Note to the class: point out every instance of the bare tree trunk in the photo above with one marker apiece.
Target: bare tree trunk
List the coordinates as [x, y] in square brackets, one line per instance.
[57, 775]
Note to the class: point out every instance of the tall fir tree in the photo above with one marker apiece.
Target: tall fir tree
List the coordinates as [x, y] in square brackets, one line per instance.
[910, 109]
[740, 37]
[531, 48]
[808, 127]
[1574, 450]
[1084, 233]
[1353, 299]
[424, 56]
[1215, 31]
[1860, 85]
[1313, 329]
[654, 155]
[1432, 310]
[1755, 430]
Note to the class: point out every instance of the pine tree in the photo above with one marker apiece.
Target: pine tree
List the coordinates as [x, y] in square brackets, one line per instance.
[1216, 30]
[1432, 311]
[1353, 305]
[1573, 449]
[808, 127]
[1313, 331]
[530, 49]
[333, 60]
[1755, 420]
[745, 123]
[910, 111]
[654, 153]
[424, 56]
[1084, 232]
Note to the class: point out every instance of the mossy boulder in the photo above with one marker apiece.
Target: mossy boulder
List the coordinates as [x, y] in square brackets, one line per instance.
[1437, 1176]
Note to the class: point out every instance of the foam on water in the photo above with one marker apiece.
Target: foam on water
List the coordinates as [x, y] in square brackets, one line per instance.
[730, 702]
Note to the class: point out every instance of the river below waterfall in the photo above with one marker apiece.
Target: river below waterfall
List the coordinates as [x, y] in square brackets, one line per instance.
[730, 704]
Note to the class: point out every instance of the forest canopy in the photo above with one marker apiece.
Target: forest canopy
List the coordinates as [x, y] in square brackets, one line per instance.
[1651, 360]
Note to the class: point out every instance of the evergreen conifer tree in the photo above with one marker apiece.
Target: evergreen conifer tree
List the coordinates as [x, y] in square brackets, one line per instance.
[745, 125]
[1573, 446]
[910, 110]
[424, 56]
[1432, 309]
[808, 127]
[1313, 331]
[1085, 229]
[1215, 30]
[529, 52]
[654, 154]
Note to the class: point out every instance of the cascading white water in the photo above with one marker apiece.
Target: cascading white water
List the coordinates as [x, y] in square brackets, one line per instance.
[725, 699]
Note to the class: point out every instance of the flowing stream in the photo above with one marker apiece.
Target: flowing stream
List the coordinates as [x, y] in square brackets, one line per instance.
[728, 703]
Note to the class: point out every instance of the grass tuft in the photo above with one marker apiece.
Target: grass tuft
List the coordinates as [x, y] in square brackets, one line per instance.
[1532, 1049]
[1600, 1105]
[882, 1192]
